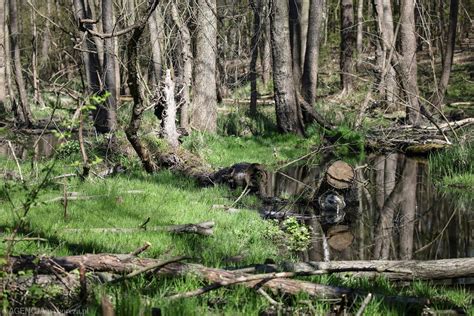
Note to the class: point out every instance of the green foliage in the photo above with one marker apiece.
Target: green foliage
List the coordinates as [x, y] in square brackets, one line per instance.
[348, 141]
[290, 234]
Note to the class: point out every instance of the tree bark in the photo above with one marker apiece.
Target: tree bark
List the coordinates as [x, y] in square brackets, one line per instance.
[347, 45]
[448, 55]
[23, 112]
[288, 112]
[311, 60]
[360, 27]
[3, 59]
[257, 29]
[110, 84]
[169, 115]
[204, 105]
[408, 60]
[186, 66]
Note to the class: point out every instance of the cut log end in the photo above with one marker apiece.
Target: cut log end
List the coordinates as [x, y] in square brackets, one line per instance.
[340, 175]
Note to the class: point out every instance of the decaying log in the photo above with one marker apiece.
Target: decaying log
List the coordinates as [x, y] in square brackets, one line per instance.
[397, 270]
[205, 228]
[340, 175]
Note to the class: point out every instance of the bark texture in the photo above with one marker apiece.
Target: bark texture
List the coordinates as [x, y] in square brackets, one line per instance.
[347, 45]
[288, 112]
[311, 60]
[204, 106]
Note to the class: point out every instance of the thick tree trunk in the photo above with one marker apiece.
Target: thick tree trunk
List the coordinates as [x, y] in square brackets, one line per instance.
[23, 112]
[408, 60]
[110, 84]
[311, 60]
[448, 55]
[46, 35]
[288, 112]
[186, 67]
[347, 45]
[204, 105]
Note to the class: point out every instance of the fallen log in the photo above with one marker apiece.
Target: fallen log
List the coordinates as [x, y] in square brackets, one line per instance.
[205, 229]
[403, 270]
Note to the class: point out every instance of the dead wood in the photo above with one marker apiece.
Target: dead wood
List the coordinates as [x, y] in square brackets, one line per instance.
[205, 229]
[403, 270]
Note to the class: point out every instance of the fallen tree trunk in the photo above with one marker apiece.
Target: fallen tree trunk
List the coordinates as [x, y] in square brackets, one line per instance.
[205, 229]
[403, 270]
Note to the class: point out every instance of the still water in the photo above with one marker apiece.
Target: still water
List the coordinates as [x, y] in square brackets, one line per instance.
[395, 213]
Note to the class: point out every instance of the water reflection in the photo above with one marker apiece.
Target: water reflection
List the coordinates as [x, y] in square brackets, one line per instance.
[398, 214]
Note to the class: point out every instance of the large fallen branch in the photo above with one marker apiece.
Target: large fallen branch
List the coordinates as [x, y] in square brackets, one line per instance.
[205, 228]
[405, 270]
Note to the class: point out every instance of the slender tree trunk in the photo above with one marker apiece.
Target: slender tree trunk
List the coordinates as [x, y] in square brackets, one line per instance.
[265, 47]
[46, 36]
[156, 27]
[110, 84]
[3, 60]
[408, 209]
[288, 112]
[360, 26]
[311, 60]
[23, 116]
[448, 54]
[34, 58]
[256, 8]
[408, 60]
[347, 45]
[204, 106]
[186, 56]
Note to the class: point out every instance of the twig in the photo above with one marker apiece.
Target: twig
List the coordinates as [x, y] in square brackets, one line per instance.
[244, 193]
[16, 159]
[268, 297]
[148, 268]
[24, 239]
[366, 302]
[143, 248]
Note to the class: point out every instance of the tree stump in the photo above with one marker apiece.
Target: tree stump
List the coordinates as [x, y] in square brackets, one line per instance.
[340, 175]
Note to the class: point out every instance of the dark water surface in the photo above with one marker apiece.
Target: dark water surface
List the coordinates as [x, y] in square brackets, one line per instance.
[395, 213]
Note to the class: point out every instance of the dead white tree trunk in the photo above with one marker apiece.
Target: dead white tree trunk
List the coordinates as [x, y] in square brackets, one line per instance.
[169, 115]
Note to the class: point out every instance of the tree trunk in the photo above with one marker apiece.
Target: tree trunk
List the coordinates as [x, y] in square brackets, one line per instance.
[204, 106]
[257, 27]
[347, 45]
[287, 108]
[110, 84]
[186, 66]
[408, 60]
[155, 24]
[91, 62]
[265, 47]
[408, 210]
[311, 61]
[46, 35]
[23, 112]
[34, 58]
[448, 55]
[295, 7]
[360, 27]
[3, 81]
[169, 115]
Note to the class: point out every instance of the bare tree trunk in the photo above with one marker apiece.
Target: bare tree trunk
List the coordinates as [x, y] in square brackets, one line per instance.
[257, 28]
[46, 36]
[34, 58]
[3, 60]
[448, 55]
[110, 84]
[408, 60]
[347, 45]
[360, 26]
[311, 60]
[288, 112]
[184, 83]
[169, 115]
[156, 27]
[23, 113]
[387, 85]
[295, 7]
[204, 106]
[265, 47]
[91, 63]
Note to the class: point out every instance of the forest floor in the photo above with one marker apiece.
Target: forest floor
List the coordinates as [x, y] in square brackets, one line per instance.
[166, 198]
